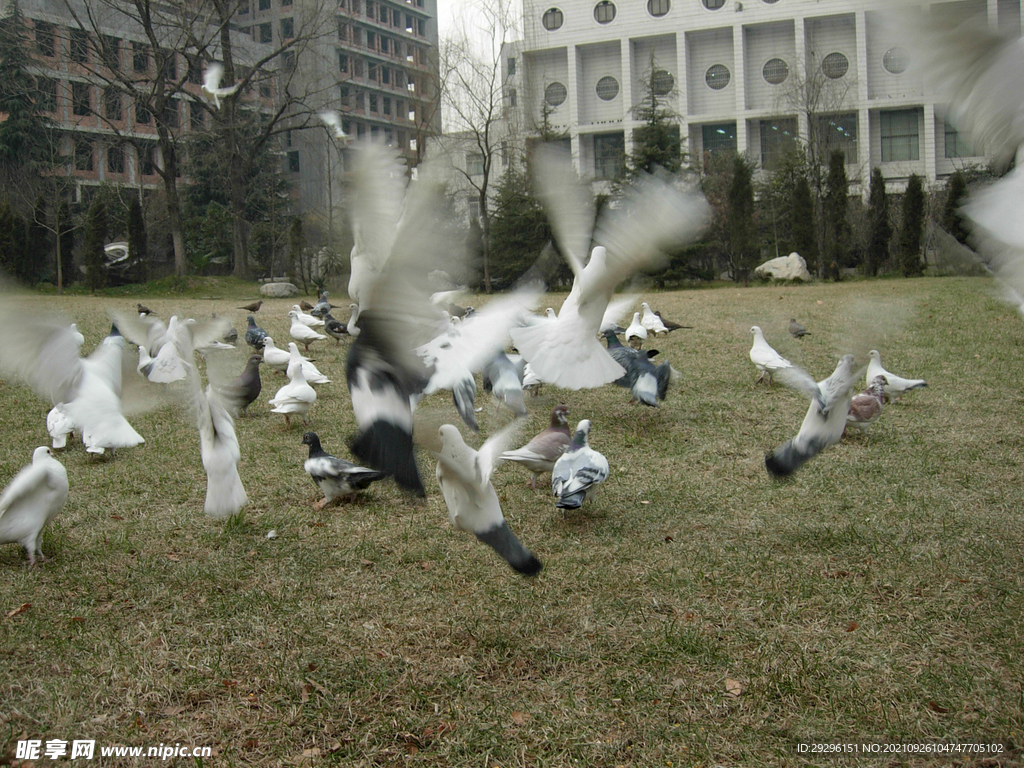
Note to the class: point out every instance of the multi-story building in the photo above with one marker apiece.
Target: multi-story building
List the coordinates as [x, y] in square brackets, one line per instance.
[744, 75]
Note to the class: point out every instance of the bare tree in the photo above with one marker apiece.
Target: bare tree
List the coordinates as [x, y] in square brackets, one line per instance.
[475, 104]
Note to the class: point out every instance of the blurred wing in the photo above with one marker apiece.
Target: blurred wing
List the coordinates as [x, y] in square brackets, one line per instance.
[42, 352]
[617, 309]
[488, 456]
[376, 207]
[568, 203]
[214, 74]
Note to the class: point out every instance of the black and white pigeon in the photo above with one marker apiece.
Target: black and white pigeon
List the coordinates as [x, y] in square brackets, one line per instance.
[337, 478]
[241, 392]
[464, 475]
[502, 378]
[648, 382]
[866, 407]
[31, 500]
[144, 310]
[334, 328]
[540, 454]
[895, 385]
[578, 471]
[654, 215]
[254, 335]
[796, 330]
[822, 426]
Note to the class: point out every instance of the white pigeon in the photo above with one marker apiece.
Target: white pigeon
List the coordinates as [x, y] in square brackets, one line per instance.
[353, 319]
[303, 333]
[636, 334]
[332, 119]
[309, 371]
[652, 216]
[305, 318]
[651, 321]
[279, 359]
[77, 334]
[766, 359]
[211, 84]
[31, 500]
[895, 385]
[577, 472]
[295, 397]
[617, 309]
[465, 479]
[59, 424]
[822, 426]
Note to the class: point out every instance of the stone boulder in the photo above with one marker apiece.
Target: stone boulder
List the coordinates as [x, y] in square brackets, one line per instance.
[278, 290]
[792, 267]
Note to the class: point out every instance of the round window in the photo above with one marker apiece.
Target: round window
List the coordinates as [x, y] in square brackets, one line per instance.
[896, 60]
[717, 76]
[604, 12]
[607, 88]
[555, 94]
[658, 7]
[713, 5]
[775, 71]
[835, 65]
[662, 82]
[552, 19]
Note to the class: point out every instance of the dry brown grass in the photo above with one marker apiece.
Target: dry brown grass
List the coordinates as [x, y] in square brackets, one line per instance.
[876, 597]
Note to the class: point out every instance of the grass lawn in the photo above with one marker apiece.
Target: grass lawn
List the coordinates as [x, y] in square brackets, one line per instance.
[695, 613]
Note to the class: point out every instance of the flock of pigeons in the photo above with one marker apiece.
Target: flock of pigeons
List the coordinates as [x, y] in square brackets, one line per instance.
[406, 346]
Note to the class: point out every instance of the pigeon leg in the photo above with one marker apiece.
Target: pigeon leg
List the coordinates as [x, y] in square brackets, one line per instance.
[319, 505]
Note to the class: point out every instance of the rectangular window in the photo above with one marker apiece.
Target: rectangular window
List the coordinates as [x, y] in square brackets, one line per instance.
[385, 75]
[196, 116]
[112, 109]
[357, 67]
[420, 27]
[342, 29]
[169, 64]
[360, 101]
[346, 96]
[387, 105]
[371, 40]
[142, 115]
[195, 71]
[512, 97]
[287, 28]
[83, 155]
[78, 45]
[140, 58]
[408, 23]
[955, 144]
[46, 94]
[719, 138]
[900, 135]
[778, 138]
[373, 102]
[511, 65]
[342, 62]
[385, 14]
[264, 5]
[243, 8]
[45, 38]
[115, 159]
[286, 3]
[147, 166]
[838, 132]
[609, 155]
[81, 102]
[293, 161]
[111, 52]
[385, 44]
[266, 33]
[371, 72]
[171, 113]
[475, 164]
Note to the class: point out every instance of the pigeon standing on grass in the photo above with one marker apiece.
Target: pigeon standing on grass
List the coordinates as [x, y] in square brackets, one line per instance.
[337, 478]
[334, 328]
[669, 325]
[295, 397]
[866, 408]
[323, 306]
[465, 479]
[302, 332]
[651, 321]
[796, 330]
[895, 385]
[306, 318]
[636, 334]
[765, 358]
[254, 307]
[241, 392]
[540, 454]
[254, 335]
[822, 426]
[578, 471]
[31, 500]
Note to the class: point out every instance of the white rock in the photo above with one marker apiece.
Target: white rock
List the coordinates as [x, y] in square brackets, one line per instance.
[279, 290]
[792, 267]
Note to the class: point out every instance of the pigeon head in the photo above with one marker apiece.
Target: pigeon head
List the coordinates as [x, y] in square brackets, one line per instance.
[268, 343]
[550, 313]
[756, 330]
[560, 415]
[582, 433]
[251, 320]
[311, 439]
[873, 354]
[255, 359]
[878, 385]
[41, 453]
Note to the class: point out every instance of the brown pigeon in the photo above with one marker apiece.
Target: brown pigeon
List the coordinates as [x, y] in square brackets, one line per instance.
[540, 454]
[254, 307]
[866, 407]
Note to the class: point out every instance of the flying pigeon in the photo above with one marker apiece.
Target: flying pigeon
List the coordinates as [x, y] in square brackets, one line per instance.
[502, 379]
[254, 335]
[636, 334]
[336, 477]
[332, 119]
[295, 397]
[254, 307]
[796, 330]
[648, 382]
[895, 385]
[578, 471]
[303, 333]
[540, 454]
[306, 319]
[866, 407]
[822, 426]
[211, 85]
[77, 334]
[651, 321]
[465, 479]
[653, 215]
[241, 392]
[31, 500]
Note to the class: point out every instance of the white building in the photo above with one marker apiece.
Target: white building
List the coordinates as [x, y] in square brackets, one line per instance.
[733, 70]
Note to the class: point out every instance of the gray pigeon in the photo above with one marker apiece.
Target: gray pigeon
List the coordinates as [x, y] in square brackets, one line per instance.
[254, 335]
[796, 330]
[502, 379]
[822, 426]
[336, 477]
[323, 306]
[578, 471]
[648, 383]
[243, 391]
